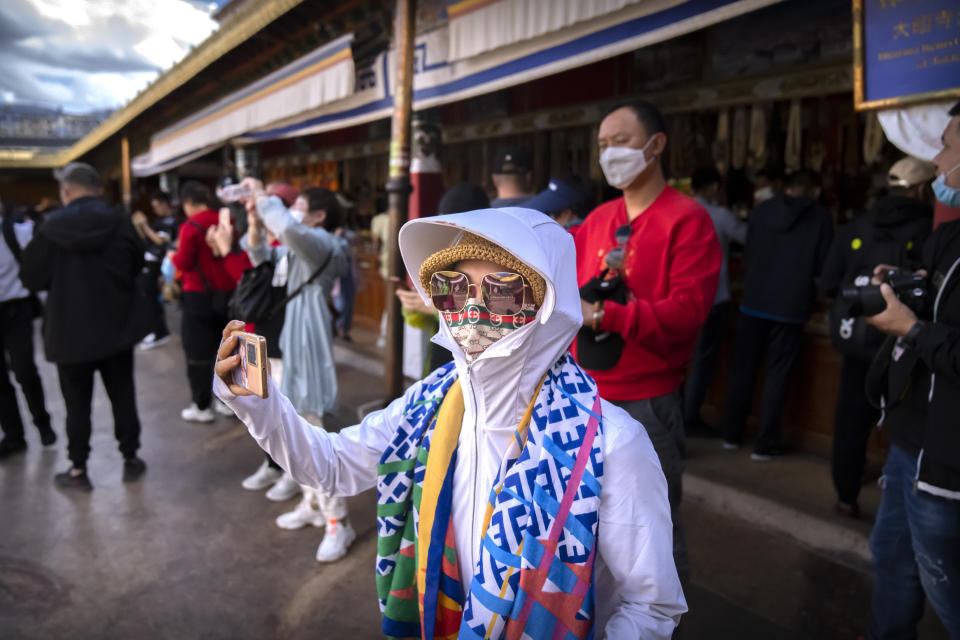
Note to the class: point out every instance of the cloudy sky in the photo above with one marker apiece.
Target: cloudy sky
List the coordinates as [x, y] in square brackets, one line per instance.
[93, 54]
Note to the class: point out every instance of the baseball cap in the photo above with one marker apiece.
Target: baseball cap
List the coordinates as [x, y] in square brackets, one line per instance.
[560, 194]
[512, 160]
[79, 173]
[908, 172]
[463, 197]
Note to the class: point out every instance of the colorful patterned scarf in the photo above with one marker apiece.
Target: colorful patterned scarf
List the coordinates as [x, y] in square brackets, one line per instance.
[534, 577]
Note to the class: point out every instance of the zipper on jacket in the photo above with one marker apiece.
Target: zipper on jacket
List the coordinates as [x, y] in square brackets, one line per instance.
[936, 308]
[476, 473]
[916, 477]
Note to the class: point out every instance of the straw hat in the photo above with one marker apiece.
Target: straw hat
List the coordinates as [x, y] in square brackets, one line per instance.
[472, 247]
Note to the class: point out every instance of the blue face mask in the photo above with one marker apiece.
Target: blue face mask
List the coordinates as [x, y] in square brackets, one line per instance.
[949, 196]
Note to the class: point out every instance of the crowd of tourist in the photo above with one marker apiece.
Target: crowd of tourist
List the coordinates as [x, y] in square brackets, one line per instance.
[572, 347]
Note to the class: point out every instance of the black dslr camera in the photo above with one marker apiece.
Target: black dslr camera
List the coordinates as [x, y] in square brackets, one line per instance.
[910, 288]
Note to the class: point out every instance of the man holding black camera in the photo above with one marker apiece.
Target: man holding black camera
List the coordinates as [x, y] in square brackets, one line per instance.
[893, 232]
[915, 541]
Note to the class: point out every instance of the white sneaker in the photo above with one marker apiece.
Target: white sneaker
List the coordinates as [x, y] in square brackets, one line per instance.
[305, 513]
[193, 413]
[338, 538]
[261, 478]
[285, 488]
[151, 341]
[222, 409]
[730, 446]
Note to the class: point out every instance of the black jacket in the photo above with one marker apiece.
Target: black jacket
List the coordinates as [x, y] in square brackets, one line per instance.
[87, 256]
[892, 232]
[927, 417]
[787, 242]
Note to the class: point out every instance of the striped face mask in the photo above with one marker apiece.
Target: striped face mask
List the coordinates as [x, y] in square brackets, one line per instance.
[475, 328]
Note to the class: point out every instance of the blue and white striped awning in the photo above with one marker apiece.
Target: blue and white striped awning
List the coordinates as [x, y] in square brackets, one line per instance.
[321, 77]
[321, 91]
[438, 80]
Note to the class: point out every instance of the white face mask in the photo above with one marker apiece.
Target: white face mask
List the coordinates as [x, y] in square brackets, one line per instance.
[622, 165]
[761, 194]
[297, 214]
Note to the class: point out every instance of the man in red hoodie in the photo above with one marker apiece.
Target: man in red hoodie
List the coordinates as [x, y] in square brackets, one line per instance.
[657, 248]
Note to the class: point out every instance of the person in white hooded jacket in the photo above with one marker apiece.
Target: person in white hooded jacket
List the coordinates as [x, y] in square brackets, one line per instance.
[510, 496]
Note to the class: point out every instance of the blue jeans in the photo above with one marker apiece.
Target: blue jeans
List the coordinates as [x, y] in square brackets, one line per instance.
[915, 544]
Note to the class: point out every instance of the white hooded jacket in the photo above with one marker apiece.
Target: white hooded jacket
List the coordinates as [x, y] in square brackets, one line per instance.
[637, 589]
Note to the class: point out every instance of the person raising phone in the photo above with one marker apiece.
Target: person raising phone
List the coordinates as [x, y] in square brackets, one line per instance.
[511, 498]
[315, 259]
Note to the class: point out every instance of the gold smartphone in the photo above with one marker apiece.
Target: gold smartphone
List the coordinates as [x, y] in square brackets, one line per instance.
[252, 372]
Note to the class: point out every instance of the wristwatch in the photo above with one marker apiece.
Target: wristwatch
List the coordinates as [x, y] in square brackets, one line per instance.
[597, 315]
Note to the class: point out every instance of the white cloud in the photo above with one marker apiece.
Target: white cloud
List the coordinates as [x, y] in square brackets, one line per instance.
[93, 54]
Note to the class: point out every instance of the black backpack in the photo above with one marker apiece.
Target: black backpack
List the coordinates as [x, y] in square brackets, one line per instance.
[872, 245]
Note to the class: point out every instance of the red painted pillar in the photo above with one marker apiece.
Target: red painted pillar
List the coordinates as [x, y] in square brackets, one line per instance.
[426, 177]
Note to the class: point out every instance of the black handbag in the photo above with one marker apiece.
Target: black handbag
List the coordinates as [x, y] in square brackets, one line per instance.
[255, 299]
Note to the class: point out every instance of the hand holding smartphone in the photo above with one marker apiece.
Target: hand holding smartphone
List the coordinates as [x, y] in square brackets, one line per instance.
[251, 374]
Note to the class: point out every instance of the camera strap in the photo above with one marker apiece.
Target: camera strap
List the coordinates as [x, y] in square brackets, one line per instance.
[890, 373]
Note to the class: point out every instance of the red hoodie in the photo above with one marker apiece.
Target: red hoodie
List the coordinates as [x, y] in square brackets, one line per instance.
[672, 266]
[193, 254]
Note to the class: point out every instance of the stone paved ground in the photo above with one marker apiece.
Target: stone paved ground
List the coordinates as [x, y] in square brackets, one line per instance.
[186, 553]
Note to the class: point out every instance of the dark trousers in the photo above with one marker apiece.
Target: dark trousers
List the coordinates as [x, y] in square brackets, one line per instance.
[702, 363]
[662, 417]
[853, 421]
[344, 302]
[915, 545]
[201, 330]
[76, 384]
[782, 342]
[151, 279]
[16, 336]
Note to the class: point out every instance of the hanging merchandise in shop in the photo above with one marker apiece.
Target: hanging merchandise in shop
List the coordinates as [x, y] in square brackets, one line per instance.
[872, 139]
[738, 154]
[793, 153]
[721, 145]
[757, 146]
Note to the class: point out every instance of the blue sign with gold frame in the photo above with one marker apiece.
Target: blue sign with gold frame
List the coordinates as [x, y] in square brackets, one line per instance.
[905, 52]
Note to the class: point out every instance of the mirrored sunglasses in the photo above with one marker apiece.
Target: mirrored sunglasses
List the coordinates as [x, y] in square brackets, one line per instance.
[503, 293]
